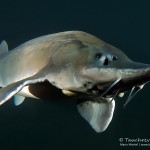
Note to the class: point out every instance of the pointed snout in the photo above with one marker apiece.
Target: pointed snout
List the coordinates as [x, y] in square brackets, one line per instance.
[135, 73]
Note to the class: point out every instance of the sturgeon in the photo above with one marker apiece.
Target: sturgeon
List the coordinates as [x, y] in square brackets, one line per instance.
[71, 65]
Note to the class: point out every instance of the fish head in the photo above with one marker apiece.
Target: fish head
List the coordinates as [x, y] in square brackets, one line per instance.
[88, 65]
[108, 67]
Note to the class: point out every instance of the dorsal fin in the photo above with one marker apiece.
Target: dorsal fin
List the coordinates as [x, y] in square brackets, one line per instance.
[3, 48]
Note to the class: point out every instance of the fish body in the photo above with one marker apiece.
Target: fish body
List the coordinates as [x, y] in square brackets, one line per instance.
[72, 65]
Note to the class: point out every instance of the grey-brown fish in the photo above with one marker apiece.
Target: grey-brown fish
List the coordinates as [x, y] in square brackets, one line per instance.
[73, 65]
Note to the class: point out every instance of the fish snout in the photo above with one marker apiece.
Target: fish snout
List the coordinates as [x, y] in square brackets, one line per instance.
[136, 74]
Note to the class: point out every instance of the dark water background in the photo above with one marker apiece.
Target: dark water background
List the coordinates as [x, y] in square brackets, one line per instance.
[40, 125]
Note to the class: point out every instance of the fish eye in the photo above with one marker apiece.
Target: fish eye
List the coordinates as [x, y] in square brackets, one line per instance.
[115, 58]
[97, 56]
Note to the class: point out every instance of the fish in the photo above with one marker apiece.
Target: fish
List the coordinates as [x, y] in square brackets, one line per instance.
[72, 65]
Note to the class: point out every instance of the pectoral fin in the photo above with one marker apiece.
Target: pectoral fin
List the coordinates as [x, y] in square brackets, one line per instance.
[97, 113]
[10, 90]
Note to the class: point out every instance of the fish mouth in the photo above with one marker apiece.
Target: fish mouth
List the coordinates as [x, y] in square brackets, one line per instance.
[118, 88]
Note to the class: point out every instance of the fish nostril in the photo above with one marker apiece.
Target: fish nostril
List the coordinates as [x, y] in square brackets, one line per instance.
[106, 61]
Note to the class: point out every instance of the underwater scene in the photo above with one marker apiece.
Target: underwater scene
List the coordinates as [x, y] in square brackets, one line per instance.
[80, 93]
